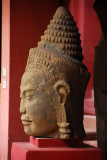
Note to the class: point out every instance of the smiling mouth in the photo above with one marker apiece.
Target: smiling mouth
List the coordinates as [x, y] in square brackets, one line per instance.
[26, 121]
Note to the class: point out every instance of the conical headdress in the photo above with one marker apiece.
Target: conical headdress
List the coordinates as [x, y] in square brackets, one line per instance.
[60, 42]
[62, 35]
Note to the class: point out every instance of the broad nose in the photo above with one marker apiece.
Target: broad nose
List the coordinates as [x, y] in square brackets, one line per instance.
[22, 107]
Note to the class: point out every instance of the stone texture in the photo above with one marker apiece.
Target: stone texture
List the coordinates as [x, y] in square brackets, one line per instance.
[54, 82]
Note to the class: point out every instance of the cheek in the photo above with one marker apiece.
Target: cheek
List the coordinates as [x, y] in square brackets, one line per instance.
[42, 107]
[37, 107]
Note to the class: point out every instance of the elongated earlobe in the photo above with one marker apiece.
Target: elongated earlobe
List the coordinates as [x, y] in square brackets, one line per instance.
[63, 89]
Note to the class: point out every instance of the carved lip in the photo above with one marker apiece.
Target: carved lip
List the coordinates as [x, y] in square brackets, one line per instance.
[26, 123]
[26, 120]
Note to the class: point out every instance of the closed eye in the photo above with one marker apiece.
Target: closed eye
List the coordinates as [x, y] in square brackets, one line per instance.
[29, 94]
[29, 97]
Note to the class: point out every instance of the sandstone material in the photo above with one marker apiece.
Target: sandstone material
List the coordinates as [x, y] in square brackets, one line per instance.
[54, 82]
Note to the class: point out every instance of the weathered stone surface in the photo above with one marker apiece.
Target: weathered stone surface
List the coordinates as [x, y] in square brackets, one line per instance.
[54, 82]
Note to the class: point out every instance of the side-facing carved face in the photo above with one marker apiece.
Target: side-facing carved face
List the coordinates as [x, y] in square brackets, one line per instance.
[38, 101]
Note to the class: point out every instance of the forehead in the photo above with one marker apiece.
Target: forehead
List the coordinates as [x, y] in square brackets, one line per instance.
[32, 80]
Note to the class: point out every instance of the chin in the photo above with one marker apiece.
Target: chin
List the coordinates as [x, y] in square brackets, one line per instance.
[28, 131]
[37, 132]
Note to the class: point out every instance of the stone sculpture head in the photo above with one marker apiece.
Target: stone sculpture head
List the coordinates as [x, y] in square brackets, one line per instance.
[54, 82]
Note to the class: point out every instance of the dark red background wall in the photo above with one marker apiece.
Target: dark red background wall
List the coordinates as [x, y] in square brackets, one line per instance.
[89, 27]
[26, 22]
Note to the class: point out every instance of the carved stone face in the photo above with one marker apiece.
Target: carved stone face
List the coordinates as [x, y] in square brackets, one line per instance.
[54, 107]
[38, 101]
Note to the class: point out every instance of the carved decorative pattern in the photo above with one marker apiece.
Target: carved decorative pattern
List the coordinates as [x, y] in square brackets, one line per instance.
[63, 33]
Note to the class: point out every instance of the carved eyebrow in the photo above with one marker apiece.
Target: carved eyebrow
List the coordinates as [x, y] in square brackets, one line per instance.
[26, 90]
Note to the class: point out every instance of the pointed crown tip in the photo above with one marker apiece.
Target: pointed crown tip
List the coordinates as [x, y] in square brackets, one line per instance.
[62, 11]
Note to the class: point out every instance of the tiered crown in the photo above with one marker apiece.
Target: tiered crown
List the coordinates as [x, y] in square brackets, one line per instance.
[62, 35]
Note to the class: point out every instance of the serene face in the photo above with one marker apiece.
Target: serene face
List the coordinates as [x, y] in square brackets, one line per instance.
[37, 105]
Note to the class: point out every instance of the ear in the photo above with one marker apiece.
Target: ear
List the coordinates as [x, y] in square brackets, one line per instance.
[63, 89]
